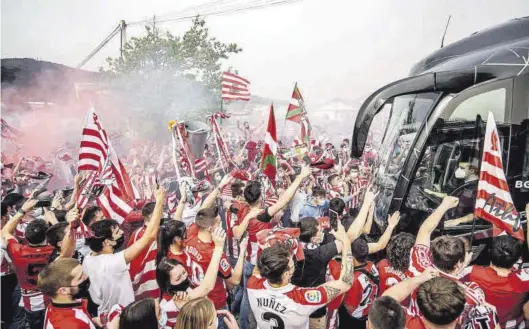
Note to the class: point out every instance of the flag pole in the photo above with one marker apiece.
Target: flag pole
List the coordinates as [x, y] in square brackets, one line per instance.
[285, 123]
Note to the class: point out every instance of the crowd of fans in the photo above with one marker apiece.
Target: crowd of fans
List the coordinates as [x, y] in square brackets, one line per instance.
[241, 252]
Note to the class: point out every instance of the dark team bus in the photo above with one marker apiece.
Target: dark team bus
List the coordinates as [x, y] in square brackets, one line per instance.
[433, 125]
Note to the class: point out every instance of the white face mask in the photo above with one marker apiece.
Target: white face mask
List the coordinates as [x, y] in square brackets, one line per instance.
[460, 173]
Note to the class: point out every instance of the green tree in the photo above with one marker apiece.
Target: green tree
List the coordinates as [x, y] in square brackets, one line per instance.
[170, 76]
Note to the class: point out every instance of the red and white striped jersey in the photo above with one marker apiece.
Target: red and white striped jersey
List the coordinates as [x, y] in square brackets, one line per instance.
[363, 292]
[476, 312]
[71, 316]
[389, 276]
[200, 253]
[507, 294]
[183, 258]
[143, 269]
[334, 270]
[28, 262]
[168, 305]
[285, 307]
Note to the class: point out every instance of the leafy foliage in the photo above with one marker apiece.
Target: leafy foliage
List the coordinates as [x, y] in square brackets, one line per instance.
[175, 77]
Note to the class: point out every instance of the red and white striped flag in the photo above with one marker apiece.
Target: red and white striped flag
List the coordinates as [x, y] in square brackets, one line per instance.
[235, 88]
[172, 202]
[94, 144]
[96, 155]
[200, 165]
[494, 202]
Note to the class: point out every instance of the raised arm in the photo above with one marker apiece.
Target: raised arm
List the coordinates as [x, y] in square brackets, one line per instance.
[369, 221]
[68, 242]
[77, 182]
[10, 226]
[236, 276]
[393, 221]
[285, 198]
[429, 225]
[212, 197]
[151, 231]
[181, 205]
[405, 288]
[208, 283]
[356, 227]
[340, 286]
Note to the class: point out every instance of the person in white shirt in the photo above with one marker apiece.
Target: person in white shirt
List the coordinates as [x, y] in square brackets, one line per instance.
[110, 281]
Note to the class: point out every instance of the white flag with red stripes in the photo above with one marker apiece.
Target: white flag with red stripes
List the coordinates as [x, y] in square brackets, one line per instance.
[235, 88]
[94, 144]
[494, 202]
[200, 165]
[96, 155]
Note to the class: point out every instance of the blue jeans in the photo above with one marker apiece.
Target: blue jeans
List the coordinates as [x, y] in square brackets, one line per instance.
[245, 304]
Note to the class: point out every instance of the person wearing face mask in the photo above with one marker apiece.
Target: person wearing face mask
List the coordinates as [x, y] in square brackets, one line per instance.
[466, 175]
[311, 271]
[200, 314]
[108, 269]
[67, 286]
[173, 279]
[318, 206]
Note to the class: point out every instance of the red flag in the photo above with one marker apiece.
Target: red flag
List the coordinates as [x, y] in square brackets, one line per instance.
[493, 201]
[269, 160]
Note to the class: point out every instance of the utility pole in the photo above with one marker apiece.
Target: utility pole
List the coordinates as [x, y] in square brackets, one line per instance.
[123, 34]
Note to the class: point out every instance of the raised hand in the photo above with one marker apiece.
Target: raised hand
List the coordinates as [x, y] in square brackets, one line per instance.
[305, 172]
[428, 274]
[341, 234]
[226, 180]
[181, 296]
[243, 244]
[394, 219]
[29, 205]
[228, 319]
[159, 193]
[219, 236]
[72, 215]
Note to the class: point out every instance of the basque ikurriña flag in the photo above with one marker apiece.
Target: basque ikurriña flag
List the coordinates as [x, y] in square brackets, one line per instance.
[269, 160]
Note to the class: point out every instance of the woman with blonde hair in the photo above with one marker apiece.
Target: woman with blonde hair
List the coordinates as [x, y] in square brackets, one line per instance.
[200, 314]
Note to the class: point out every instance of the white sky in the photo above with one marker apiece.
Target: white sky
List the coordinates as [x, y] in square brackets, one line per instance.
[332, 48]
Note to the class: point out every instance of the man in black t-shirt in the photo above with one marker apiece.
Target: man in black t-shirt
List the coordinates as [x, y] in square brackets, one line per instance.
[311, 271]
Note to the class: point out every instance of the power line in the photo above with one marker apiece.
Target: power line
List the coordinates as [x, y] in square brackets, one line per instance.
[100, 46]
[254, 5]
[214, 8]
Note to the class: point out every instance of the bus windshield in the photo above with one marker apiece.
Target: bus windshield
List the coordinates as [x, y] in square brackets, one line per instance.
[401, 124]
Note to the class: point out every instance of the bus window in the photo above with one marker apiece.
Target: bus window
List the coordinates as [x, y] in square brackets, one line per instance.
[493, 101]
[450, 168]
